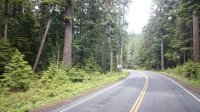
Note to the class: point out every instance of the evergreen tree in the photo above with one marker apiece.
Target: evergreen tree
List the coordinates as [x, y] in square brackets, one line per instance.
[17, 73]
[5, 54]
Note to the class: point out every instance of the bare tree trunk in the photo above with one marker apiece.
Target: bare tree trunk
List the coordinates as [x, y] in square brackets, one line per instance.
[196, 47]
[111, 58]
[67, 53]
[117, 61]
[121, 53]
[58, 56]
[81, 22]
[42, 44]
[184, 57]
[81, 25]
[162, 55]
[103, 46]
[5, 31]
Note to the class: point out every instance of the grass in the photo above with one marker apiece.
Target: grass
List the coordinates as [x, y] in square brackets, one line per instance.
[188, 81]
[39, 94]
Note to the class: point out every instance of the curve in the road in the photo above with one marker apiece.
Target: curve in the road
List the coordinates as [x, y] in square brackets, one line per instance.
[183, 88]
[142, 91]
[141, 95]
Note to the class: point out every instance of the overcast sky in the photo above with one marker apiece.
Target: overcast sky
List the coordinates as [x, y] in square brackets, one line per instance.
[138, 15]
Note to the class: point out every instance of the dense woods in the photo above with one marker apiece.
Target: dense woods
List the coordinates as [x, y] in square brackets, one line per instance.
[73, 30]
[169, 40]
[65, 31]
[57, 43]
[58, 48]
[171, 37]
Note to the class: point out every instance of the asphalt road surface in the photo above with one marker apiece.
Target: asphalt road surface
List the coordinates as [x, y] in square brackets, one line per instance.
[140, 92]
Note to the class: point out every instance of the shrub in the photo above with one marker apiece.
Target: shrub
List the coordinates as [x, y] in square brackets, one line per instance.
[91, 65]
[76, 75]
[60, 75]
[54, 74]
[17, 73]
[188, 70]
[6, 52]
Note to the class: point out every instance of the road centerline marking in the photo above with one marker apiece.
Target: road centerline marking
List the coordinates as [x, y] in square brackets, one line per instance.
[141, 95]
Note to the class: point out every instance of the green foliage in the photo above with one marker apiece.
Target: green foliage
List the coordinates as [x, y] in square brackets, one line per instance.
[76, 75]
[61, 75]
[91, 65]
[53, 74]
[58, 88]
[171, 22]
[93, 21]
[5, 54]
[189, 70]
[17, 73]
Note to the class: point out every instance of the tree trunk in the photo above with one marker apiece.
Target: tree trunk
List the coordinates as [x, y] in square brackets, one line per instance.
[117, 61]
[111, 58]
[58, 56]
[5, 30]
[184, 57]
[121, 54]
[42, 44]
[103, 46]
[67, 53]
[162, 55]
[81, 26]
[196, 47]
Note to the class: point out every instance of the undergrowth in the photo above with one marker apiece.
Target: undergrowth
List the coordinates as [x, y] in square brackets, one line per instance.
[55, 84]
[189, 72]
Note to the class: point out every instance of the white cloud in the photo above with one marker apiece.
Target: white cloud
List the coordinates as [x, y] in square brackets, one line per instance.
[138, 15]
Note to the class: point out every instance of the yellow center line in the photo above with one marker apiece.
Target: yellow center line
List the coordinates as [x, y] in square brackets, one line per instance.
[140, 97]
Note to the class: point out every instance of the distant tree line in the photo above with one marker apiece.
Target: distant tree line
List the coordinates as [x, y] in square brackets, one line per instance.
[171, 37]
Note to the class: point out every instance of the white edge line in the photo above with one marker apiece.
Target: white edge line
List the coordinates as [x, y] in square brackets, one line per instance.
[104, 90]
[182, 88]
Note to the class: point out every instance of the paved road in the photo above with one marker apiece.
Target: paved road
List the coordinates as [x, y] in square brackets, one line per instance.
[142, 92]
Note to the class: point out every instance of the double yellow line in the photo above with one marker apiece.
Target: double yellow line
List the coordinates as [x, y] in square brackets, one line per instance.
[141, 96]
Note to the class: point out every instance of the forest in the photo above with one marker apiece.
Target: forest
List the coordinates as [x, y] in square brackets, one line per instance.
[53, 49]
[170, 40]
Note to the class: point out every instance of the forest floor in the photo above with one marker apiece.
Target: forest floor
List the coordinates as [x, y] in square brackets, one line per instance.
[68, 100]
[43, 97]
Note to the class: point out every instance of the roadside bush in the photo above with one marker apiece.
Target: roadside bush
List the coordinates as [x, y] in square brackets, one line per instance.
[54, 74]
[76, 75]
[6, 52]
[189, 70]
[56, 83]
[17, 74]
[60, 75]
[91, 65]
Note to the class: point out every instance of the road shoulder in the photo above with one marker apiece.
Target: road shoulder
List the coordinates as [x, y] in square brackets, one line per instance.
[71, 99]
[185, 84]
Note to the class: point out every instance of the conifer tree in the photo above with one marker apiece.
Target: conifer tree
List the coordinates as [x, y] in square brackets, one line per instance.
[6, 52]
[17, 73]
